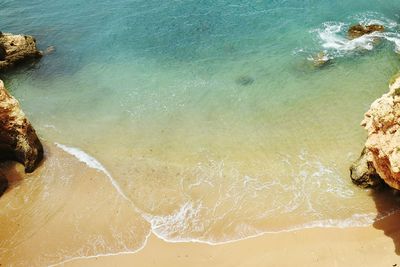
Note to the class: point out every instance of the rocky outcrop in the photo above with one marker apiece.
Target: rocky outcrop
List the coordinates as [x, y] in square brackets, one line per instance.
[15, 49]
[363, 172]
[322, 58]
[18, 140]
[382, 122]
[359, 30]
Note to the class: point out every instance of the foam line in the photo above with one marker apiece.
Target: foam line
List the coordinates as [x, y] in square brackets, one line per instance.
[103, 255]
[94, 164]
[356, 220]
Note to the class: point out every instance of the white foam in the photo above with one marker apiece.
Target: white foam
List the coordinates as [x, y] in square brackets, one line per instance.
[331, 37]
[356, 221]
[334, 42]
[71, 259]
[94, 164]
[188, 220]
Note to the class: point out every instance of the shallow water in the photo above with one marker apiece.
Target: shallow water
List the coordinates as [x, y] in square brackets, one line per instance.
[207, 120]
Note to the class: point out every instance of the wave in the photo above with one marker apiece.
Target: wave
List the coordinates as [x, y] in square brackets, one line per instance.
[188, 224]
[333, 42]
[354, 221]
[94, 164]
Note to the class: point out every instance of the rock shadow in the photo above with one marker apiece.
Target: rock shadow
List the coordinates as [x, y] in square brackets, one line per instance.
[387, 201]
[10, 173]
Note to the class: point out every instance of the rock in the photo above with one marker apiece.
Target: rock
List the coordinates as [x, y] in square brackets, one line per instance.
[382, 122]
[359, 30]
[17, 49]
[18, 140]
[3, 183]
[363, 173]
[321, 59]
[245, 80]
[49, 50]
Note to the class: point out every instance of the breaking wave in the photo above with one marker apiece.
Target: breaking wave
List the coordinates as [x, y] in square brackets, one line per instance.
[333, 42]
[197, 220]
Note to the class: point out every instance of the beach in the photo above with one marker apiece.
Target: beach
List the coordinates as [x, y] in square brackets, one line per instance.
[78, 212]
[199, 133]
[309, 247]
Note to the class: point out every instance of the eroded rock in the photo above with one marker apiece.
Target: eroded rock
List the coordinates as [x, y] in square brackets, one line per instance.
[363, 173]
[15, 49]
[18, 140]
[359, 30]
[382, 122]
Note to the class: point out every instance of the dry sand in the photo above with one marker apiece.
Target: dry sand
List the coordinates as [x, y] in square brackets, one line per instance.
[57, 219]
[368, 246]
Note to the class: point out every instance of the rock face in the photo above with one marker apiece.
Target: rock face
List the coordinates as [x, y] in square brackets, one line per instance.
[363, 172]
[15, 49]
[359, 30]
[18, 140]
[382, 122]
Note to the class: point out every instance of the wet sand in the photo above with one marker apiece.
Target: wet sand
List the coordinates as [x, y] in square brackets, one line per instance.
[70, 211]
[64, 210]
[368, 246]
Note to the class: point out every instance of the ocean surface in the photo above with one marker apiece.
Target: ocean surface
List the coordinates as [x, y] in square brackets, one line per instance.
[197, 121]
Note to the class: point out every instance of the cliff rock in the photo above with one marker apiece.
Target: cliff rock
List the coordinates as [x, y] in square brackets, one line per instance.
[382, 122]
[15, 49]
[363, 172]
[18, 140]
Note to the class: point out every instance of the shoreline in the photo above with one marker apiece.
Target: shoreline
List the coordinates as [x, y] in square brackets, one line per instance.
[154, 242]
[356, 220]
[198, 170]
[365, 246]
[149, 243]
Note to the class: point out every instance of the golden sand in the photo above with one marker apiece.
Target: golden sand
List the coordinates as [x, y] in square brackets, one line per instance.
[370, 246]
[69, 213]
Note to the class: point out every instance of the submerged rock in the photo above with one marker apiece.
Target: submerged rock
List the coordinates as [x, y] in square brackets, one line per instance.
[359, 30]
[18, 140]
[382, 122]
[245, 80]
[363, 173]
[15, 49]
[49, 50]
[321, 59]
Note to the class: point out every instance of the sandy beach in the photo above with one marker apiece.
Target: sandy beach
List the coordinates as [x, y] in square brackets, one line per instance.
[368, 246]
[68, 234]
[199, 133]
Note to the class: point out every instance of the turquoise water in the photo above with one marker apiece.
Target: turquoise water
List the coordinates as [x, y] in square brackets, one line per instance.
[210, 115]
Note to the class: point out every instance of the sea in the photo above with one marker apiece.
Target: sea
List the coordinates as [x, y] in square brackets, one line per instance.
[195, 121]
